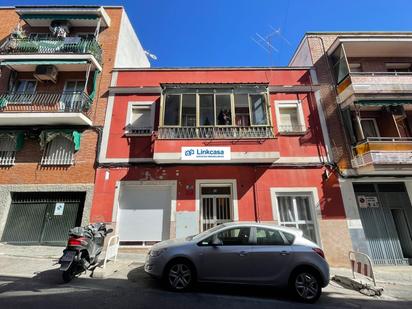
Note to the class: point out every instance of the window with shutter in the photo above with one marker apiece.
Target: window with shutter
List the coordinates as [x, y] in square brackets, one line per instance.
[140, 120]
[289, 115]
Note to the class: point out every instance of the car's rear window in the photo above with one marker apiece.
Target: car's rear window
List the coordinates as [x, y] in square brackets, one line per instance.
[289, 237]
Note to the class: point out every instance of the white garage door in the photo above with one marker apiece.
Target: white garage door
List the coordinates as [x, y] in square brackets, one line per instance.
[144, 213]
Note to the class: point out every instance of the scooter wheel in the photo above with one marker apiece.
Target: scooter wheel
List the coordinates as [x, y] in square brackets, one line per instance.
[68, 275]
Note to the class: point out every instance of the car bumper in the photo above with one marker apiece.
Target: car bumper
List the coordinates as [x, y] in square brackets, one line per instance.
[153, 267]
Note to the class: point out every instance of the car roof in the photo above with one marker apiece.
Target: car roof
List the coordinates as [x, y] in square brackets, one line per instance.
[291, 230]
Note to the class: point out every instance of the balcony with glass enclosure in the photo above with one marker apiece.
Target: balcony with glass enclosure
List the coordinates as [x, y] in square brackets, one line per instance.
[238, 116]
[372, 69]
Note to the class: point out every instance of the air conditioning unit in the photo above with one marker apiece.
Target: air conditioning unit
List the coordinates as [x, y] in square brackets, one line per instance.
[46, 72]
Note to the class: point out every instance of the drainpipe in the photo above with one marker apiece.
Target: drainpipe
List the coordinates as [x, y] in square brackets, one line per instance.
[255, 199]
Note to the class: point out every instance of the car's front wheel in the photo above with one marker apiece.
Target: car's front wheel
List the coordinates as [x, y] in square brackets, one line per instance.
[306, 286]
[179, 276]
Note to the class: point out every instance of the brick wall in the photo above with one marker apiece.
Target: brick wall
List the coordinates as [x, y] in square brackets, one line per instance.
[340, 146]
[27, 169]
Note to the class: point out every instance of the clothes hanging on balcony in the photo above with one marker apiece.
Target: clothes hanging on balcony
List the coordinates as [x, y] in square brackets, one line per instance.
[48, 135]
[94, 89]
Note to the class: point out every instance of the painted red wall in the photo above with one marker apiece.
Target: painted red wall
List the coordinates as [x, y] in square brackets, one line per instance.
[328, 191]
[152, 77]
[310, 144]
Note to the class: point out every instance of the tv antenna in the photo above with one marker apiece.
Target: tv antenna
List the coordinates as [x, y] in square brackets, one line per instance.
[266, 41]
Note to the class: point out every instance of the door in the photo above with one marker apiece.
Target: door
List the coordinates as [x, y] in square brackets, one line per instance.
[216, 206]
[271, 256]
[404, 231]
[230, 261]
[72, 97]
[43, 217]
[376, 202]
[24, 91]
[144, 213]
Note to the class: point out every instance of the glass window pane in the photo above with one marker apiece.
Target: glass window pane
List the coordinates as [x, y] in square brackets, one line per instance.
[308, 231]
[189, 110]
[216, 190]
[140, 118]
[172, 110]
[223, 110]
[242, 110]
[266, 237]
[368, 127]
[235, 237]
[303, 207]
[31, 86]
[258, 106]
[207, 110]
[286, 209]
[288, 117]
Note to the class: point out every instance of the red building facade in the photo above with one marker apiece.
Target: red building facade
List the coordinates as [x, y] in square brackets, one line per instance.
[186, 149]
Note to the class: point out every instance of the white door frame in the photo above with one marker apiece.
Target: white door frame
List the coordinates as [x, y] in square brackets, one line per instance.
[216, 183]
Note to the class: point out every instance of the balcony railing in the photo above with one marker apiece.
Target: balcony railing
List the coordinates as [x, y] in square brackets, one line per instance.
[68, 45]
[383, 150]
[215, 132]
[45, 102]
[292, 129]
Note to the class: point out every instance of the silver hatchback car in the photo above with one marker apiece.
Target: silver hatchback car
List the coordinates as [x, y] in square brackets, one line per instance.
[246, 253]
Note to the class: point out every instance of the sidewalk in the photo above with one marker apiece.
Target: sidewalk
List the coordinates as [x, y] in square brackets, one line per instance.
[396, 281]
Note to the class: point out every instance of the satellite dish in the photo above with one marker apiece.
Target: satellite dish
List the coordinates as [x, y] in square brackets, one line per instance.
[148, 53]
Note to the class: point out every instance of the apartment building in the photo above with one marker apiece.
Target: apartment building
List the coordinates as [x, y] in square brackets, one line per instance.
[366, 96]
[184, 150]
[56, 64]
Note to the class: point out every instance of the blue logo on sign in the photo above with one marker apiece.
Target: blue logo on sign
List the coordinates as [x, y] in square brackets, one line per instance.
[189, 152]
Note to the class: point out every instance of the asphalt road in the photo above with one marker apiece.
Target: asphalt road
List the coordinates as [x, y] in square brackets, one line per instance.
[130, 287]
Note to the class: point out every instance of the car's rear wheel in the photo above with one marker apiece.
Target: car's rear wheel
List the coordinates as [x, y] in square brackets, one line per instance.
[306, 286]
[179, 276]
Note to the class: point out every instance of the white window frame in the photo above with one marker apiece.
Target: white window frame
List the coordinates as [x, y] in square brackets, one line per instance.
[147, 105]
[310, 192]
[290, 104]
[375, 124]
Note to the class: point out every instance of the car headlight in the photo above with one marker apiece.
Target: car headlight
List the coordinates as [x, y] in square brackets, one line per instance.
[157, 252]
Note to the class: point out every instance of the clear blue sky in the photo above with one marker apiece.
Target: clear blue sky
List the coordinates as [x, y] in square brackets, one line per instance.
[218, 32]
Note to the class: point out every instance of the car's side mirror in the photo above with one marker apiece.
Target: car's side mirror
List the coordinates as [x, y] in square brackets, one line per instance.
[217, 242]
[109, 231]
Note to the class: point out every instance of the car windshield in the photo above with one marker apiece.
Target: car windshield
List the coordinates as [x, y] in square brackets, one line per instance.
[207, 232]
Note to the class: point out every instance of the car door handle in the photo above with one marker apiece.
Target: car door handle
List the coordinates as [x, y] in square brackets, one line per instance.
[284, 253]
[243, 253]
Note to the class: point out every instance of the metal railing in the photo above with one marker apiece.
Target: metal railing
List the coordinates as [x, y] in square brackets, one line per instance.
[380, 73]
[132, 130]
[215, 132]
[68, 45]
[400, 154]
[64, 102]
[291, 129]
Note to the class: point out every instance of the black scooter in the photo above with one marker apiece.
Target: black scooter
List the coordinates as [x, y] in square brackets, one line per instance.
[83, 249]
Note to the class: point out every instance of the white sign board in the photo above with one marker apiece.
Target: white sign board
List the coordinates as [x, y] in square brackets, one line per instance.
[368, 201]
[205, 153]
[58, 209]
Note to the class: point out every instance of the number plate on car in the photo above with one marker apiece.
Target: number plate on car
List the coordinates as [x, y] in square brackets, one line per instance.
[68, 256]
